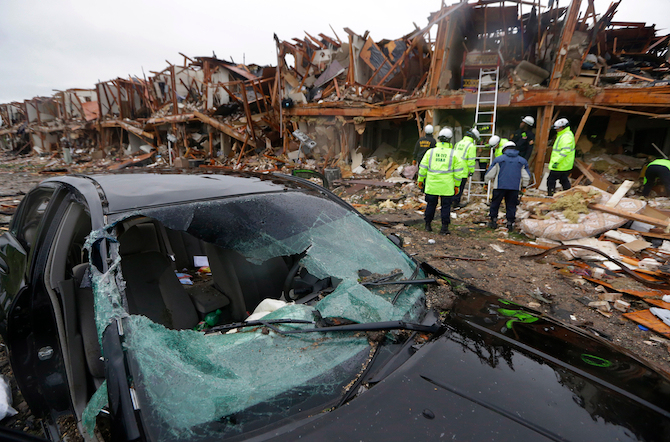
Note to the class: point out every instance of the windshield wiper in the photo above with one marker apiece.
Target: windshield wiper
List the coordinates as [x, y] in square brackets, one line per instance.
[226, 327]
[365, 327]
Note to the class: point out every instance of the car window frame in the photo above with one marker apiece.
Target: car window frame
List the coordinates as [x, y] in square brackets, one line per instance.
[19, 220]
[58, 196]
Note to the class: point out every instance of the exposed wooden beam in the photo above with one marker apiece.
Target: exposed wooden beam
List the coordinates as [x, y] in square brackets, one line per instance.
[628, 111]
[582, 122]
[128, 127]
[630, 215]
[541, 143]
[566, 36]
[224, 128]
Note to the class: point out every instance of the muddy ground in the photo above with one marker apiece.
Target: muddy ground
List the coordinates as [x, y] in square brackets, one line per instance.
[504, 274]
[521, 280]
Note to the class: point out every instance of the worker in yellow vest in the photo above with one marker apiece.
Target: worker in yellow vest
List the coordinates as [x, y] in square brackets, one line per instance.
[562, 156]
[466, 149]
[656, 170]
[438, 177]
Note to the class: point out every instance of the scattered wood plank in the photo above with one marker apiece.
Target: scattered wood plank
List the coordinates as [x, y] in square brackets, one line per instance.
[224, 128]
[646, 234]
[521, 243]
[133, 161]
[584, 168]
[594, 177]
[647, 319]
[620, 193]
[630, 215]
[652, 296]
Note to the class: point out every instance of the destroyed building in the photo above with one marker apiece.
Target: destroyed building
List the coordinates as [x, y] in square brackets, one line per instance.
[549, 62]
[348, 95]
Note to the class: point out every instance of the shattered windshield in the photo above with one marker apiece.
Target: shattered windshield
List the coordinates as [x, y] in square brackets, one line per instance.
[246, 256]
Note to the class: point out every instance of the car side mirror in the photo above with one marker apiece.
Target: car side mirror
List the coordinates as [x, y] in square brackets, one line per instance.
[395, 239]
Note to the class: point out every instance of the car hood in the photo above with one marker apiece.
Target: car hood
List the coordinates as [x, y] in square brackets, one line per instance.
[502, 372]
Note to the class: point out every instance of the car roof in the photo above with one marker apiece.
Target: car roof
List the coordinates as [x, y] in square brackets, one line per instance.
[128, 191]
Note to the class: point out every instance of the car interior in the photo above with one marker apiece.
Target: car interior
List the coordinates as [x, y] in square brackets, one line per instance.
[152, 260]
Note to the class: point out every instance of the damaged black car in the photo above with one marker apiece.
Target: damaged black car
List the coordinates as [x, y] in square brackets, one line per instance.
[262, 307]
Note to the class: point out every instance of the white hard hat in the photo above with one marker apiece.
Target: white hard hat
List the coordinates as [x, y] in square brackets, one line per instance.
[509, 144]
[475, 132]
[561, 122]
[529, 120]
[494, 140]
[446, 133]
[429, 129]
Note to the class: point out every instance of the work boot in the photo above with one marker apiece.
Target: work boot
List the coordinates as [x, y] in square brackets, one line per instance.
[429, 228]
[510, 226]
[445, 229]
[493, 225]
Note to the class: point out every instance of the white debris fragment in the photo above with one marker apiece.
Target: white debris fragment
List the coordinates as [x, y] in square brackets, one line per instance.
[6, 409]
[497, 248]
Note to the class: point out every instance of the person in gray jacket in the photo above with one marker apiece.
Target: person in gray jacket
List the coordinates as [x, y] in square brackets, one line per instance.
[509, 174]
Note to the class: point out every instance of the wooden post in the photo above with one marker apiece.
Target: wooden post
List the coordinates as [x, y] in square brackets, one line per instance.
[437, 59]
[247, 112]
[566, 37]
[541, 142]
[582, 123]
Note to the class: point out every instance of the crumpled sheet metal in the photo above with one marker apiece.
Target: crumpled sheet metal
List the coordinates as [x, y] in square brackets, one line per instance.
[557, 228]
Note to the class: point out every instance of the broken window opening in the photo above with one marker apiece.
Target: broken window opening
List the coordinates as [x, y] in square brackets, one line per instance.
[192, 385]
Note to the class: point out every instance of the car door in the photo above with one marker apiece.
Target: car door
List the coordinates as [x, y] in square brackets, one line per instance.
[16, 245]
[18, 249]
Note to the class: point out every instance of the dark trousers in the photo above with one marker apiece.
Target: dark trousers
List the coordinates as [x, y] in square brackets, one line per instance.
[432, 206]
[652, 174]
[554, 176]
[482, 165]
[456, 199]
[511, 200]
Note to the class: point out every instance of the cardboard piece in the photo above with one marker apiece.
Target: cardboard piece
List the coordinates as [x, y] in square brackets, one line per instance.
[633, 247]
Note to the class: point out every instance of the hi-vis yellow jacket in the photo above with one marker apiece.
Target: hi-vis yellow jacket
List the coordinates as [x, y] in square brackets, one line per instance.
[440, 170]
[467, 151]
[563, 152]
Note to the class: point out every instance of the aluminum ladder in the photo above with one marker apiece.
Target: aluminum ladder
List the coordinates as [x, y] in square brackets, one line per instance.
[486, 114]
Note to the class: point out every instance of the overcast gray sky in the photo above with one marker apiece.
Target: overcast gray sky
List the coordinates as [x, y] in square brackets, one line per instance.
[62, 44]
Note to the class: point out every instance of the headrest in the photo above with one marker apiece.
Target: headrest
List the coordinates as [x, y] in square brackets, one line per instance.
[139, 239]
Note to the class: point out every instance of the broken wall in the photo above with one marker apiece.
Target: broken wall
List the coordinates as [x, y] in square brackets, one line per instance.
[216, 95]
[74, 100]
[44, 141]
[108, 97]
